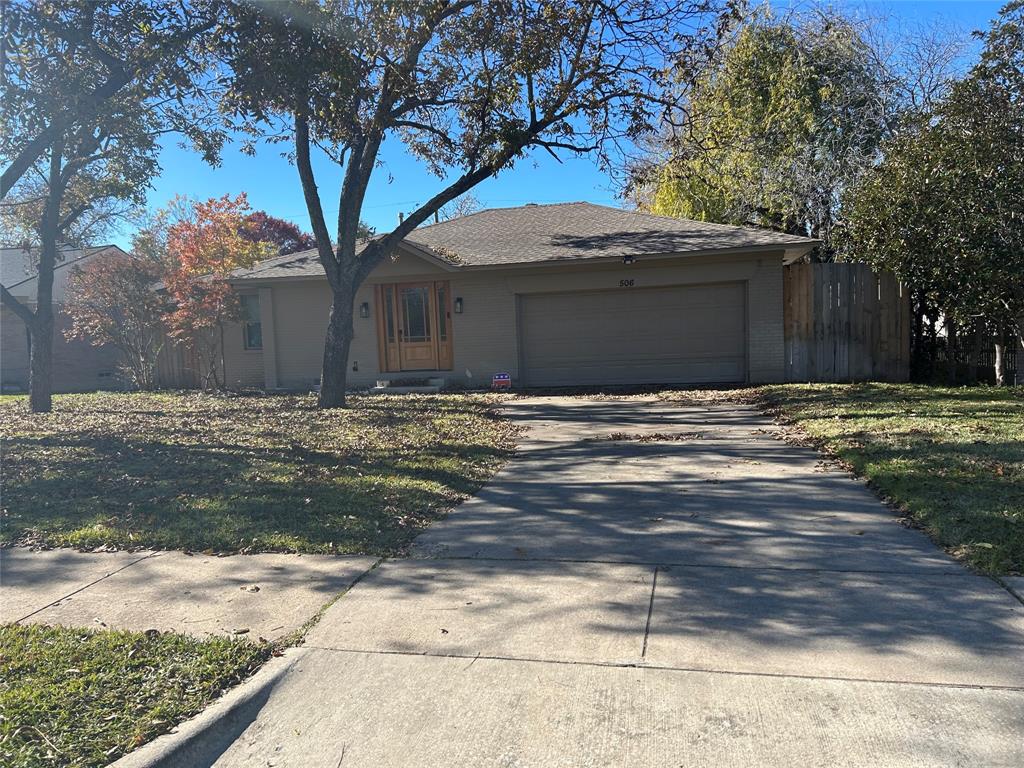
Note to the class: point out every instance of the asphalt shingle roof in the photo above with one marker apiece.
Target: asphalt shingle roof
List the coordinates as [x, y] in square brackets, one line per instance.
[18, 265]
[570, 231]
[561, 232]
[301, 264]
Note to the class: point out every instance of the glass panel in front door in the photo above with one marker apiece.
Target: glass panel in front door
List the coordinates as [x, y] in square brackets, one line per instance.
[416, 314]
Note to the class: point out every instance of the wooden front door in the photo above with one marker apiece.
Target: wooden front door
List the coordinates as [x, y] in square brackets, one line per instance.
[414, 326]
[417, 350]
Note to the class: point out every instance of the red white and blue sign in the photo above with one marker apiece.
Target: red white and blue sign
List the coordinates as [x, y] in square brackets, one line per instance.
[501, 381]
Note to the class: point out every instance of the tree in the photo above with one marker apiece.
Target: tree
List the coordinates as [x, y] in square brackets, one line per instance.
[784, 118]
[944, 210]
[87, 87]
[64, 62]
[205, 245]
[111, 301]
[469, 87]
[261, 227]
[100, 217]
[462, 206]
[92, 171]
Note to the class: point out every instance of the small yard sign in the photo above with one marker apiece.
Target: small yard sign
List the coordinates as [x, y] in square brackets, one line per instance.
[501, 381]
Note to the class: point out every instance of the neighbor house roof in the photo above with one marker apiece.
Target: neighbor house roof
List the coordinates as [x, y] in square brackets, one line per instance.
[301, 264]
[557, 233]
[19, 266]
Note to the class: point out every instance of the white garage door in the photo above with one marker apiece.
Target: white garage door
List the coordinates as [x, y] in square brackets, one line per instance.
[682, 334]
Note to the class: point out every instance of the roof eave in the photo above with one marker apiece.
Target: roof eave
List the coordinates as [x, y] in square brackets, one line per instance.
[790, 252]
[796, 252]
[414, 249]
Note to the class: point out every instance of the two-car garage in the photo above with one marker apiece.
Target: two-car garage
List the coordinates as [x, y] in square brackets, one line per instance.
[634, 335]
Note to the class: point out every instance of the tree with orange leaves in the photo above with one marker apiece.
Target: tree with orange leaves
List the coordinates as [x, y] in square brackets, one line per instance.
[205, 244]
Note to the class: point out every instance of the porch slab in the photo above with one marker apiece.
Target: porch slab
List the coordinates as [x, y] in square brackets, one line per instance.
[404, 390]
[563, 611]
[953, 630]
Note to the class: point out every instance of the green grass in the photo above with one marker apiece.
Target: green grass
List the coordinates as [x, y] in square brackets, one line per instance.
[952, 458]
[76, 697]
[242, 473]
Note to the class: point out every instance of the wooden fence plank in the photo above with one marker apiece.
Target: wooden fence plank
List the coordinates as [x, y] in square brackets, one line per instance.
[843, 322]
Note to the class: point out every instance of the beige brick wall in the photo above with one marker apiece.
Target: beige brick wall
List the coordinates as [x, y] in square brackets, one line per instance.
[77, 365]
[13, 351]
[485, 335]
[766, 342]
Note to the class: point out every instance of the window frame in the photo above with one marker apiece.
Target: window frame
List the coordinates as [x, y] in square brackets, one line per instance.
[247, 322]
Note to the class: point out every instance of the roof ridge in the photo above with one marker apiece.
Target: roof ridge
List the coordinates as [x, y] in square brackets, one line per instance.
[705, 223]
[508, 208]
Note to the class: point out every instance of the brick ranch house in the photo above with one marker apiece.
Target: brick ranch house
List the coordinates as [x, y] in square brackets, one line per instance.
[553, 295]
[77, 365]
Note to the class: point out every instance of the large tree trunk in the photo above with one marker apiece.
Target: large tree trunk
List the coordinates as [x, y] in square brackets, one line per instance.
[40, 382]
[1019, 373]
[952, 346]
[917, 348]
[339, 339]
[974, 354]
[1000, 362]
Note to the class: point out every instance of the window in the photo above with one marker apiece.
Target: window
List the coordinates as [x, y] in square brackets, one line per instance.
[415, 313]
[252, 327]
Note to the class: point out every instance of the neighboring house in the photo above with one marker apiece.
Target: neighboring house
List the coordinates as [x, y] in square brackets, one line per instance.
[77, 365]
[554, 295]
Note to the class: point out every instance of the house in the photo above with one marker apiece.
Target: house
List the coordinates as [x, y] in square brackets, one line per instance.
[554, 295]
[77, 365]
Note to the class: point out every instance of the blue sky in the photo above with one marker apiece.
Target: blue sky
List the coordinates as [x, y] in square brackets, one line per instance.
[273, 185]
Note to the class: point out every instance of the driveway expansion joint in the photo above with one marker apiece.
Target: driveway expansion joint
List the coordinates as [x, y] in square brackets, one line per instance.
[1013, 593]
[84, 587]
[640, 664]
[957, 571]
[650, 613]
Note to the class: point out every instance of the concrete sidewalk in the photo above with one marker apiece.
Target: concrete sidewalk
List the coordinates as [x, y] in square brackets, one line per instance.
[265, 596]
[717, 598]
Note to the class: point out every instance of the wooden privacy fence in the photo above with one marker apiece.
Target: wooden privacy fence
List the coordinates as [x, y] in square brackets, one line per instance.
[844, 322]
[177, 367]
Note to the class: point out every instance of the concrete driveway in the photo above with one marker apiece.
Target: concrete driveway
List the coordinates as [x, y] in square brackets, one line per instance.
[655, 584]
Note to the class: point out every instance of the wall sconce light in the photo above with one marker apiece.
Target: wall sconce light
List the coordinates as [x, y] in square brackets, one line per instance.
[364, 309]
[458, 305]
[628, 258]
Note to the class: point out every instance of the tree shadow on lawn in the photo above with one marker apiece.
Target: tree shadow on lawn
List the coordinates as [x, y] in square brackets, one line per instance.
[87, 492]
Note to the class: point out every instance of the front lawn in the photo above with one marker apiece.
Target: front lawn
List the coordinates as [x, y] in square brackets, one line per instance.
[952, 458]
[241, 473]
[77, 697]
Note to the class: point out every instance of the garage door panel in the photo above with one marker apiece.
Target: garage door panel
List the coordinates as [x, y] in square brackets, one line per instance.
[647, 335]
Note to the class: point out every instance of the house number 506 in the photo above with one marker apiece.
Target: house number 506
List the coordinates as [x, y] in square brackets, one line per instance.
[625, 283]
